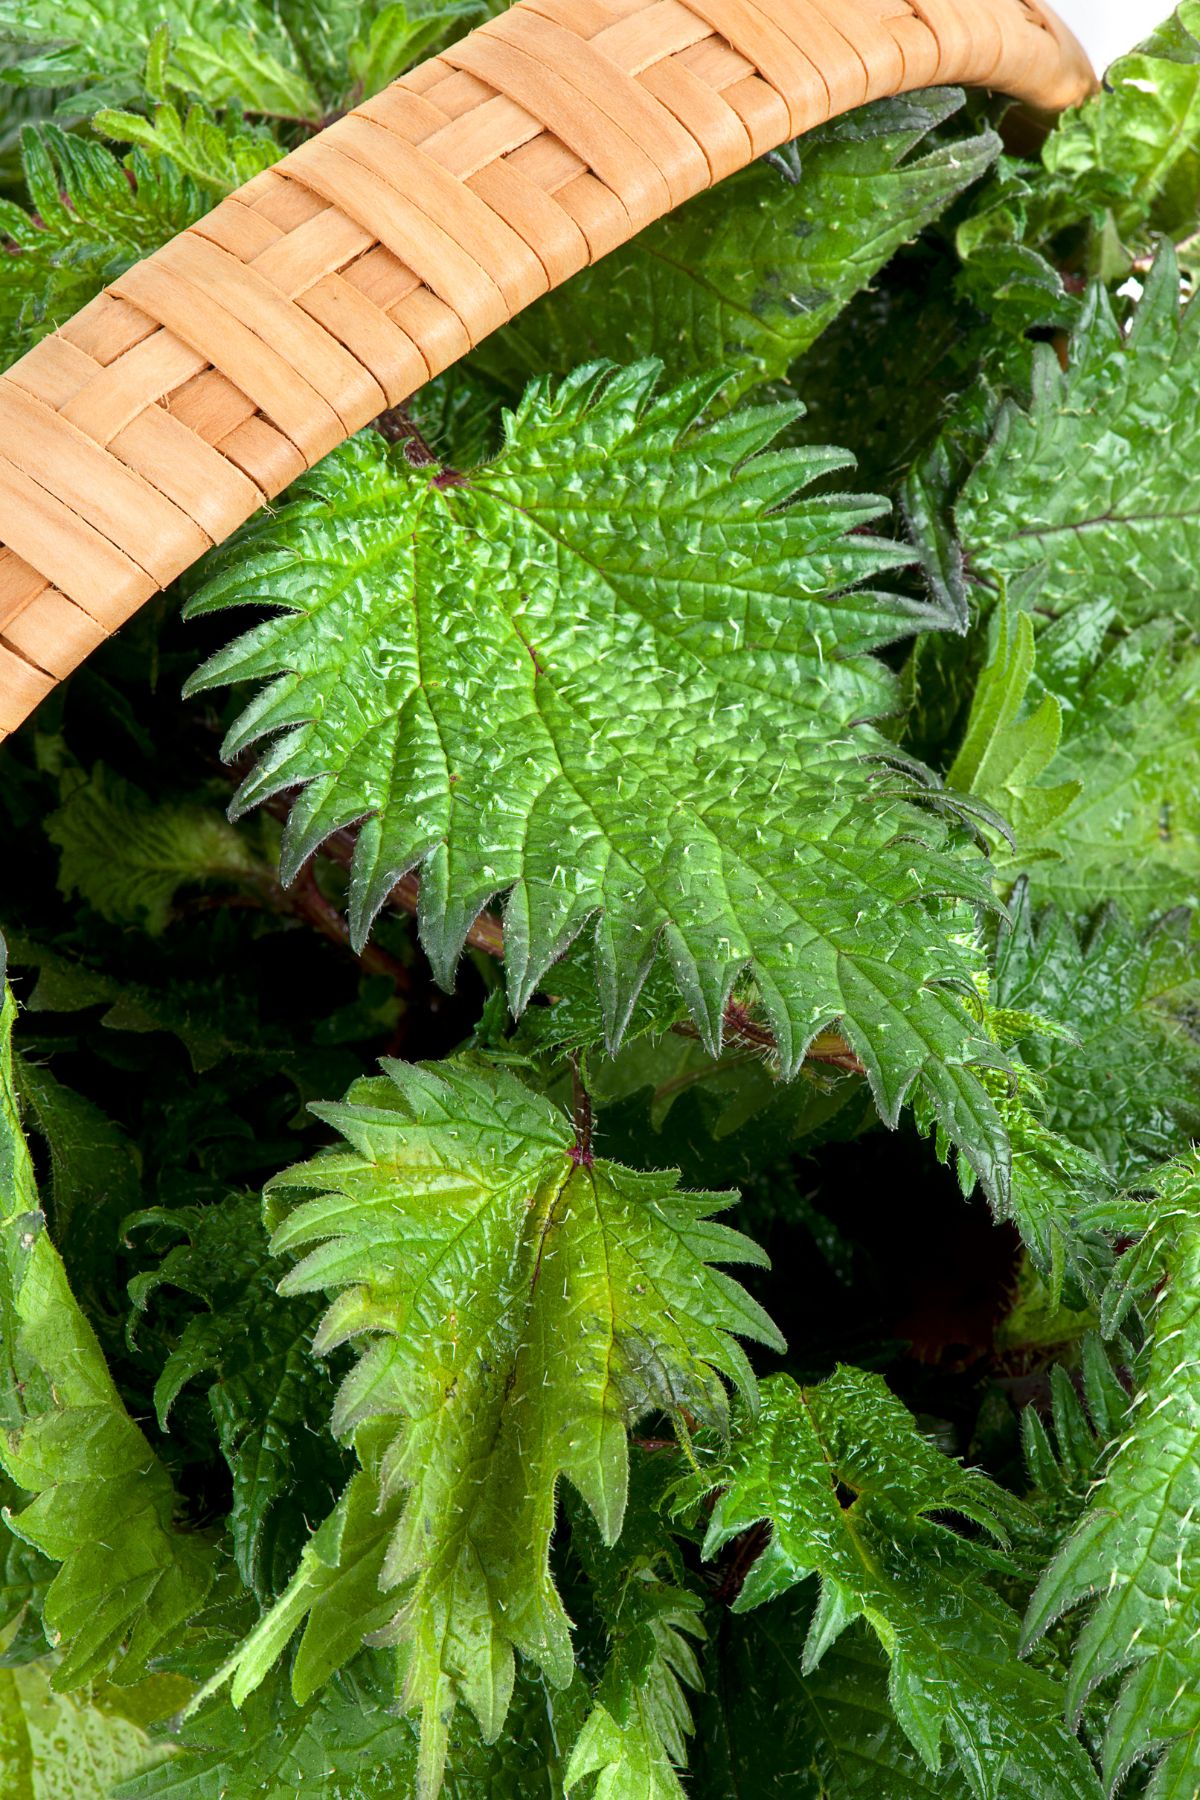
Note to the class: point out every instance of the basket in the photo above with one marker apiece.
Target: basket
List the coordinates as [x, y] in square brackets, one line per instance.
[208, 376]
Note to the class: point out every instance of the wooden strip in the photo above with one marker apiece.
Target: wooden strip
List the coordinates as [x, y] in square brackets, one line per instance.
[761, 111]
[54, 634]
[315, 249]
[653, 34]
[598, 213]
[707, 115]
[482, 136]
[918, 49]
[542, 222]
[404, 229]
[244, 358]
[157, 366]
[245, 231]
[432, 325]
[70, 552]
[134, 516]
[772, 52]
[485, 237]
[269, 458]
[622, 165]
[376, 340]
[409, 115]
[54, 370]
[672, 149]
[107, 327]
[19, 584]
[22, 688]
[188, 471]
[210, 406]
[326, 365]
[382, 277]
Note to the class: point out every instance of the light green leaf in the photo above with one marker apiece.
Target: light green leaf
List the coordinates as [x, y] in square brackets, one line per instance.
[1131, 743]
[1004, 754]
[521, 1306]
[220, 50]
[1125, 1086]
[57, 1746]
[102, 1505]
[398, 37]
[128, 857]
[1138, 141]
[1099, 480]
[848, 1484]
[88, 222]
[1138, 1546]
[219, 154]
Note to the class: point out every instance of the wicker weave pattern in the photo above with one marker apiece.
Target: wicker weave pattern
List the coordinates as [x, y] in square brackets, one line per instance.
[211, 374]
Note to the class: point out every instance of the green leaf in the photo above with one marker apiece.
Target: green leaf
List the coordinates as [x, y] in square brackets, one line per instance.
[1137, 143]
[218, 153]
[89, 222]
[266, 1387]
[748, 275]
[1004, 755]
[521, 1306]
[346, 1744]
[614, 672]
[1094, 758]
[1099, 480]
[128, 858]
[1138, 1546]
[1131, 744]
[1125, 1087]
[231, 50]
[398, 37]
[57, 1746]
[848, 1485]
[636, 1735]
[102, 1505]
[770, 1731]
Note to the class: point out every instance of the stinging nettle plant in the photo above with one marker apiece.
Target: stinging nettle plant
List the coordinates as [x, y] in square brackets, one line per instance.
[596, 1134]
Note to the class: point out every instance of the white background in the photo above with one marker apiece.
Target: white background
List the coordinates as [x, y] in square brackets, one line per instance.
[1107, 27]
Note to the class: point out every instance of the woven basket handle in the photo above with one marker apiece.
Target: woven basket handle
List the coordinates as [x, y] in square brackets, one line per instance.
[211, 374]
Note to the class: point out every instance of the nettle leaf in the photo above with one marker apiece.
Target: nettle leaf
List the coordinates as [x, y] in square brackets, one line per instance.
[293, 60]
[266, 1387]
[127, 857]
[89, 221]
[220, 50]
[1094, 758]
[848, 1486]
[1124, 1086]
[1138, 1546]
[346, 1744]
[1131, 740]
[1006, 751]
[768, 1729]
[521, 1306]
[635, 1737]
[748, 275]
[218, 153]
[57, 1746]
[615, 673]
[1099, 480]
[1137, 143]
[102, 1505]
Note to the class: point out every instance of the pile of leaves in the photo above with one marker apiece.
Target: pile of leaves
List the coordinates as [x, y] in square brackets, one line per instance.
[598, 1197]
